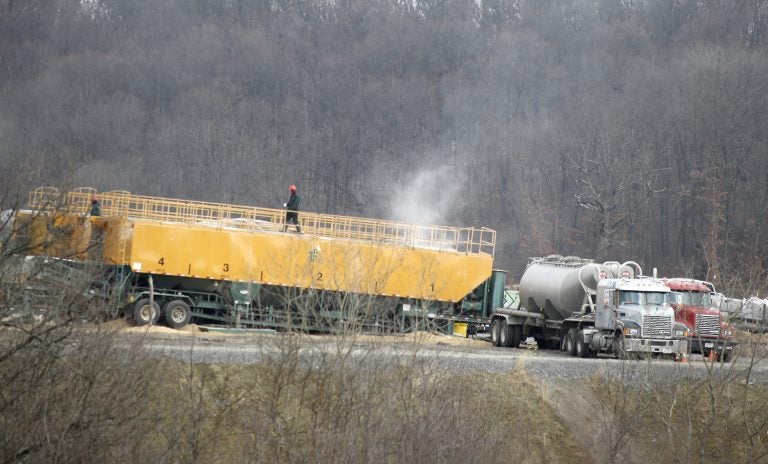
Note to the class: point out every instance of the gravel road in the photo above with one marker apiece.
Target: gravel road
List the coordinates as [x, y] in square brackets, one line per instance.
[544, 364]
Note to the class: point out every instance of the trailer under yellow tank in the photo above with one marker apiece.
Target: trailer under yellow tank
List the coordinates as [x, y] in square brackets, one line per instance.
[295, 260]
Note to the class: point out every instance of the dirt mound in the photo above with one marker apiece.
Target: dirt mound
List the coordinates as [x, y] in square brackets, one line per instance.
[425, 338]
[123, 325]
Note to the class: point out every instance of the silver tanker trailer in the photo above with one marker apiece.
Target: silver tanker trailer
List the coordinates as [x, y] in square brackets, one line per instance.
[584, 308]
[750, 314]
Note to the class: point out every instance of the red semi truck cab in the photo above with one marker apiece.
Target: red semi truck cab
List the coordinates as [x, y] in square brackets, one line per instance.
[694, 307]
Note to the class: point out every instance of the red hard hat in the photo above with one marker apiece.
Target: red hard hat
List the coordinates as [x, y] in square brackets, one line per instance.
[292, 188]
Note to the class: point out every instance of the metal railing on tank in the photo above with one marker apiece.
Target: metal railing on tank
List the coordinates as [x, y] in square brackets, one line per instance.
[469, 240]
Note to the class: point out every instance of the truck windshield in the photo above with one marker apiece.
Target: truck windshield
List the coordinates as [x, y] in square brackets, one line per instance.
[696, 298]
[643, 298]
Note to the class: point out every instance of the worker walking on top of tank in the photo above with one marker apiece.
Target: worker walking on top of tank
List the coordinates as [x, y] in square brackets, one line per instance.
[292, 215]
[96, 237]
[95, 207]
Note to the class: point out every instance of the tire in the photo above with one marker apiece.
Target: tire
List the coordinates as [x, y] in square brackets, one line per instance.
[495, 332]
[618, 347]
[504, 340]
[570, 342]
[146, 313]
[582, 351]
[727, 356]
[177, 314]
[516, 335]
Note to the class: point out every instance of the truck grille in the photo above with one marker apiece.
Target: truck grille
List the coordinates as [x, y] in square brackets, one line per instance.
[657, 326]
[708, 324]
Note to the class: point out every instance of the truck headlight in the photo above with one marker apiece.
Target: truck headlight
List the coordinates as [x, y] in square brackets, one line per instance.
[681, 333]
[631, 331]
[727, 333]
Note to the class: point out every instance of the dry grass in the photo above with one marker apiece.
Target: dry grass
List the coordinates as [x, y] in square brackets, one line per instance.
[715, 419]
[95, 396]
[278, 412]
[85, 398]
[97, 401]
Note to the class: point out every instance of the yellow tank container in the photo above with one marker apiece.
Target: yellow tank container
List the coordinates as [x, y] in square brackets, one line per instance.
[237, 243]
[62, 235]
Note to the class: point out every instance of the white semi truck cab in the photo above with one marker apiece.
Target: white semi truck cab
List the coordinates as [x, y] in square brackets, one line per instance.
[584, 308]
[635, 316]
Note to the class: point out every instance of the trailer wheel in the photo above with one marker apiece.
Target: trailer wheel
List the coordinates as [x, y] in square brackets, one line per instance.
[504, 339]
[581, 348]
[516, 335]
[177, 314]
[495, 332]
[146, 313]
[570, 342]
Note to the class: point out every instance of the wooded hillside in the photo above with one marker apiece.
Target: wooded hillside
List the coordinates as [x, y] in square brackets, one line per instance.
[609, 129]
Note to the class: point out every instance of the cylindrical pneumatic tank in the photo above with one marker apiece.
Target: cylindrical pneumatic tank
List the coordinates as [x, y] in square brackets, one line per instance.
[557, 285]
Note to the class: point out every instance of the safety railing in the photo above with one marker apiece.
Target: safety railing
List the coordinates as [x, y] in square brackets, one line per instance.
[469, 240]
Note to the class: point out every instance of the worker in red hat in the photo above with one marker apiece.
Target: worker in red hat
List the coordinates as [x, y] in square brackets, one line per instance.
[95, 207]
[292, 215]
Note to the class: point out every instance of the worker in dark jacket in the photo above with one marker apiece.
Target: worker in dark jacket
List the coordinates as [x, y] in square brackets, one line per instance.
[95, 207]
[292, 216]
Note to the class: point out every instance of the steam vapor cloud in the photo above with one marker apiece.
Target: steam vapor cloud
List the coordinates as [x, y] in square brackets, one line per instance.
[428, 197]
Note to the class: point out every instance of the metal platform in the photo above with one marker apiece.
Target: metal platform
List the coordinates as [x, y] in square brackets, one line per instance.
[470, 240]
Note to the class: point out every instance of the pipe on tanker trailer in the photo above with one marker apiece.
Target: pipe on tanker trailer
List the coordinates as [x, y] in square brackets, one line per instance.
[518, 313]
[616, 270]
[639, 270]
[590, 285]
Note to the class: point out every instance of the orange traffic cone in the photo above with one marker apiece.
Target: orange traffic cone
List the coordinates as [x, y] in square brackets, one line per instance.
[712, 356]
[682, 357]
